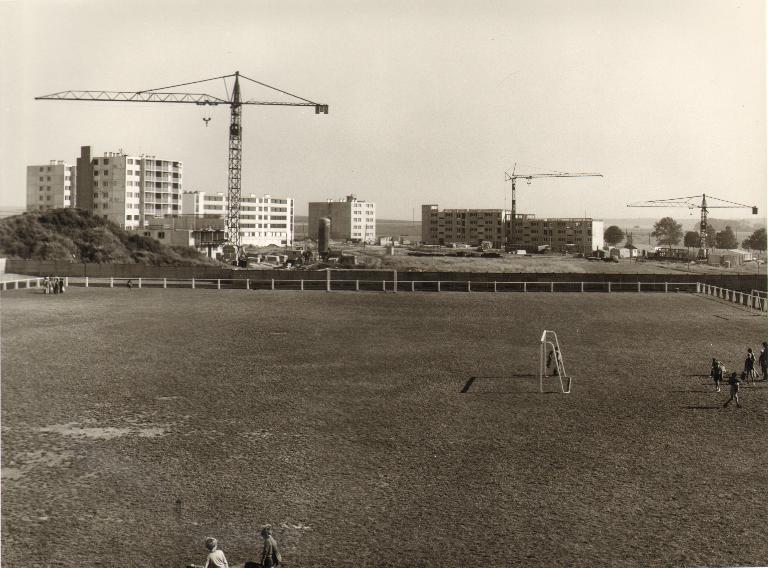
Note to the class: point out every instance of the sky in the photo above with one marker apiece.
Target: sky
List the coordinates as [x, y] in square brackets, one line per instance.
[429, 101]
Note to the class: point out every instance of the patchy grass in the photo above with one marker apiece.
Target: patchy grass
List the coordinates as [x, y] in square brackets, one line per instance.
[136, 423]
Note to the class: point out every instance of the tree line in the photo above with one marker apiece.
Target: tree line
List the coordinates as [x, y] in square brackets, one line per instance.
[669, 232]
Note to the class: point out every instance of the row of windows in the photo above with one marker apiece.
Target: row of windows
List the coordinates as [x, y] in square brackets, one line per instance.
[262, 226]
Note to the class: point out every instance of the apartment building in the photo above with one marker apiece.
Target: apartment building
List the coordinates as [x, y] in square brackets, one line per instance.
[264, 220]
[351, 219]
[132, 191]
[50, 186]
[577, 234]
[472, 226]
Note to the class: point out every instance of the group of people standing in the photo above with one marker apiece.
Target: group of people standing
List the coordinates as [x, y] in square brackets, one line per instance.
[749, 374]
[53, 285]
[270, 554]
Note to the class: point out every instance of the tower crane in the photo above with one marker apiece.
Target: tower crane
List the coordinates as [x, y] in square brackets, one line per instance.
[513, 177]
[690, 204]
[235, 102]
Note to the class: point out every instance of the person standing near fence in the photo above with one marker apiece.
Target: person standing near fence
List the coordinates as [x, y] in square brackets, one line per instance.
[763, 360]
[270, 555]
[749, 366]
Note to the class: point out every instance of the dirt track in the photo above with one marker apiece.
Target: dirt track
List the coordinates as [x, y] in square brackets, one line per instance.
[136, 423]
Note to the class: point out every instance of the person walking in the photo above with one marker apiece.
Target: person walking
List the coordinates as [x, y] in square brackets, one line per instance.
[749, 366]
[734, 382]
[763, 360]
[270, 554]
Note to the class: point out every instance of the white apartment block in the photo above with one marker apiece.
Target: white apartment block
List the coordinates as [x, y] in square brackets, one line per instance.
[132, 191]
[50, 186]
[351, 219]
[264, 220]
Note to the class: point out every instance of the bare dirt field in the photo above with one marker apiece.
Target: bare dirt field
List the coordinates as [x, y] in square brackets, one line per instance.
[137, 422]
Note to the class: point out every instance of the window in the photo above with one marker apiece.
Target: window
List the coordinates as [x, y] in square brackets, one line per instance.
[48, 178]
[41, 168]
[161, 235]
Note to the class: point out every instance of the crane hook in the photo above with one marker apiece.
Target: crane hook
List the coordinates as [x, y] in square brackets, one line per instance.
[206, 121]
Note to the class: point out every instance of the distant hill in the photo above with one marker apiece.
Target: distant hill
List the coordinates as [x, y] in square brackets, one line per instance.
[79, 236]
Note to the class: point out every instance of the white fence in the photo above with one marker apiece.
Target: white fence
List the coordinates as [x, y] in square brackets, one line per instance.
[384, 285]
[752, 302]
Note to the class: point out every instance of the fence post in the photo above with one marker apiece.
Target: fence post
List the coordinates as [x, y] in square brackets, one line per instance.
[139, 283]
[247, 283]
[218, 283]
[273, 284]
[552, 286]
[469, 285]
[327, 279]
[165, 283]
[111, 282]
[413, 285]
[494, 286]
[66, 282]
[394, 288]
[666, 287]
[638, 286]
[609, 286]
[357, 285]
[302, 284]
[384, 285]
[438, 285]
[86, 281]
[582, 285]
[193, 283]
[698, 287]
[525, 286]
[16, 284]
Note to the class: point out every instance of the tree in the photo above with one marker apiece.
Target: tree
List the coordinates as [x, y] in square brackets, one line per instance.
[613, 235]
[691, 239]
[667, 231]
[756, 241]
[726, 239]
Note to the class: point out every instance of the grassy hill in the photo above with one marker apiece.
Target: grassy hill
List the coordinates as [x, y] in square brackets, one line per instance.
[79, 236]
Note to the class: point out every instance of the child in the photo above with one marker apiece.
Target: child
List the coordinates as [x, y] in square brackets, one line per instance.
[749, 366]
[718, 369]
[216, 557]
[734, 382]
[763, 360]
[270, 554]
[554, 359]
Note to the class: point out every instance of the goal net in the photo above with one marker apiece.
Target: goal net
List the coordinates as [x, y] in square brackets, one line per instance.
[551, 361]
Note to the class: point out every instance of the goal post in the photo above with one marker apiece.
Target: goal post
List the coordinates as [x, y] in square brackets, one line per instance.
[551, 357]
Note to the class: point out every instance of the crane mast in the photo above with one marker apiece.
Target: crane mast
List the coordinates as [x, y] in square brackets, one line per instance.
[235, 102]
[513, 177]
[234, 189]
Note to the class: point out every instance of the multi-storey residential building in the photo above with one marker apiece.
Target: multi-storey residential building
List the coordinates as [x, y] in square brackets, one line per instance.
[351, 219]
[131, 191]
[264, 220]
[50, 186]
[472, 226]
[579, 234]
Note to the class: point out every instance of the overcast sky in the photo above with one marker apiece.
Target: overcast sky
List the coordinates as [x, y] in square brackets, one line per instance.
[430, 102]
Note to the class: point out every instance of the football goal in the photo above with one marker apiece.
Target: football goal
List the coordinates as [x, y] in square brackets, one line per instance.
[551, 361]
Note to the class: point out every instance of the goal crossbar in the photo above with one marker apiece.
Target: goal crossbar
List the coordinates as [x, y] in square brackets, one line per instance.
[550, 355]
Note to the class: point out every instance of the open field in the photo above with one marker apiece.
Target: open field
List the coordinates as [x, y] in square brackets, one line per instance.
[136, 423]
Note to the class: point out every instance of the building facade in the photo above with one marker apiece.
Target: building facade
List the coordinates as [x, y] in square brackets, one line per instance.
[472, 226]
[264, 220]
[50, 186]
[351, 219]
[131, 191]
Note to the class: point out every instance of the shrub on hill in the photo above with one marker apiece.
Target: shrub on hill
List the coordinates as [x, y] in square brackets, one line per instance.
[79, 236]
